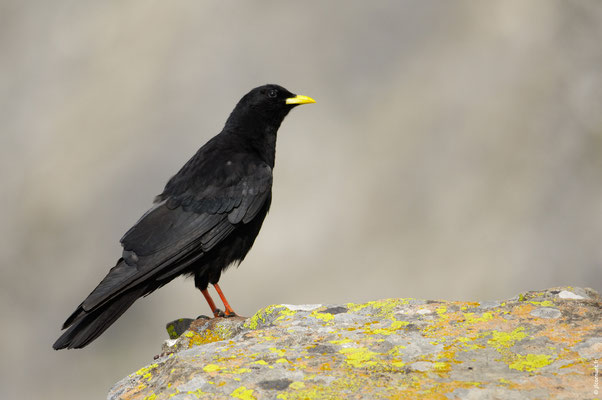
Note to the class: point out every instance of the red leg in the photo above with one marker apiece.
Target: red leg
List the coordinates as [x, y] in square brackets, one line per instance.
[216, 312]
[229, 311]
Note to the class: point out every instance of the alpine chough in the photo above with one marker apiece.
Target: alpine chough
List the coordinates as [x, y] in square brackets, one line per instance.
[206, 219]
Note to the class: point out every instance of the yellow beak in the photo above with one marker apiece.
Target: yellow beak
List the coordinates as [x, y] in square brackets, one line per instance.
[299, 99]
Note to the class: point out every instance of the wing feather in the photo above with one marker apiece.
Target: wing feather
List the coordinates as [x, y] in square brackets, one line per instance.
[179, 229]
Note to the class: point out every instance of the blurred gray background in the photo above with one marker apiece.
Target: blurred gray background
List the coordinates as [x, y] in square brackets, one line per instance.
[454, 152]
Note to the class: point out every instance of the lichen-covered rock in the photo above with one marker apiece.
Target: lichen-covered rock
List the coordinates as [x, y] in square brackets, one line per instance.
[539, 345]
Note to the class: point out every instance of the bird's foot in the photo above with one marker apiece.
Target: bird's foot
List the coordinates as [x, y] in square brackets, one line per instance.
[218, 313]
[203, 317]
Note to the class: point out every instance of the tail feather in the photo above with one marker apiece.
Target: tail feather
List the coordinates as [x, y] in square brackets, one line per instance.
[84, 326]
[76, 315]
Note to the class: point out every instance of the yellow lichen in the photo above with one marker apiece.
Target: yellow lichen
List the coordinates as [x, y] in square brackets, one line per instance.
[243, 393]
[384, 307]
[280, 352]
[285, 312]
[530, 362]
[399, 324]
[326, 317]
[196, 393]
[216, 333]
[359, 356]
[145, 372]
[171, 331]
[297, 385]
[441, 366]
[396, 350]
[381, 331]
[340, 341]
[545, 303]
[212, 368]
[253, 322]
[393, 328]
[501, 340]
[471, 319]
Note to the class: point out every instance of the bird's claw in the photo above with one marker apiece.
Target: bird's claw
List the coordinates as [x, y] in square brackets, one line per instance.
[218, 313]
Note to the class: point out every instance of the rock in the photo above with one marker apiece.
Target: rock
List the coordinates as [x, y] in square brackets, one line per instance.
[177, 327]
[538, 345]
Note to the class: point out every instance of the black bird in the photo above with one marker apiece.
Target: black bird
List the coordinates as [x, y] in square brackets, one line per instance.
[206, 218]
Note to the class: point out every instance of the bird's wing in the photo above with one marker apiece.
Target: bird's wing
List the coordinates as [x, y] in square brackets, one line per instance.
[181, 228]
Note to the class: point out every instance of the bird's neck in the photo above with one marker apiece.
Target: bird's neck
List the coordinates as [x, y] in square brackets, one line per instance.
[258, 134]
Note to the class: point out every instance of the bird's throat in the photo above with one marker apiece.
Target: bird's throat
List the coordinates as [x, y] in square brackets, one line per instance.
[260, 135]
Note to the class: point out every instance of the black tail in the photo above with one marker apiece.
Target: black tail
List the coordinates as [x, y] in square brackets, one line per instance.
[84, 326]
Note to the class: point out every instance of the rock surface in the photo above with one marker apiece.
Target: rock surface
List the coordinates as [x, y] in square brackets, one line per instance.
[538, 345]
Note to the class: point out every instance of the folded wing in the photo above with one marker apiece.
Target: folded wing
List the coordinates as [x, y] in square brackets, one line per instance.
[182, 227]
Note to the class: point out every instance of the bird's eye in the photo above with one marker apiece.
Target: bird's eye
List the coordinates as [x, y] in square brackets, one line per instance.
[272, 93]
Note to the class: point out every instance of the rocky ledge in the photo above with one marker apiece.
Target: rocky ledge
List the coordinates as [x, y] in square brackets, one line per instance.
[538, 345]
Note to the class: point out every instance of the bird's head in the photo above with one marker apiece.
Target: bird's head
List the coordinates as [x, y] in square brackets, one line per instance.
[269, 102]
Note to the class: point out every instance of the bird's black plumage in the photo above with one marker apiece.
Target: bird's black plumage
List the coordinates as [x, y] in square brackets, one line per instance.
[206, 218]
